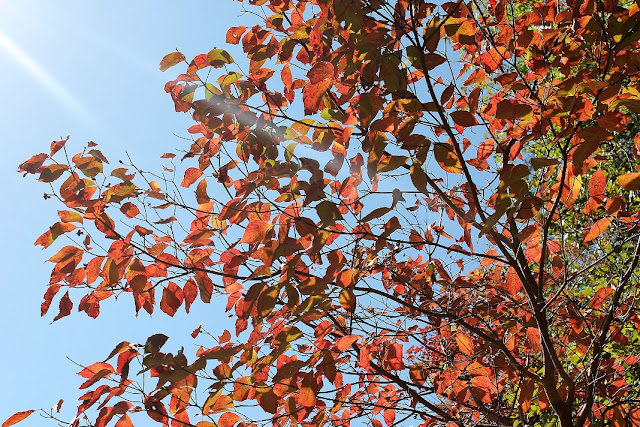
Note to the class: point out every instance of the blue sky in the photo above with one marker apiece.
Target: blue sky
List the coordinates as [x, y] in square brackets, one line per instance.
[89, 70]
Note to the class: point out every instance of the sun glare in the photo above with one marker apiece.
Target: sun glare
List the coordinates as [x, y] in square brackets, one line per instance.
[42, 77]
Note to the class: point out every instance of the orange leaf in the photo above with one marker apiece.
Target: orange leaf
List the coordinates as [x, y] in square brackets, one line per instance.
[322, 70]
[170, 60]
[124, 421]
[17, 417]
[228, 419]
[484, 387]
[172, 297]
[93, 369]
[345, 342]
[630, 181]
[256, 232]
[312, 95]
[533, 336]
[307, 394]
[234, 34]
[597, 229]
[190, 176]
[69, 216]
[597, 184]
[57, 145]
[389, 416]
[465, 344]
[526, 394]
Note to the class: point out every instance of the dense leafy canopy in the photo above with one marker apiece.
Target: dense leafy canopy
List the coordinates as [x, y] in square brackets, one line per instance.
[417, 213]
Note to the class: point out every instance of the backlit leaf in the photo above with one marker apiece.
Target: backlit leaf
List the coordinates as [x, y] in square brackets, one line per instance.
[447, 158]
[630, 181]
[343, 343]
[256, 232]
[190, 176]
[17, 417]
[348, 300]
[597, 229]
[465, 344]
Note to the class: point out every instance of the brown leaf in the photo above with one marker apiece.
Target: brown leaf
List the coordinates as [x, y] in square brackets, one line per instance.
[170, 60]
[464, 118]
[447, 158]
[33, 164]
[348, 300]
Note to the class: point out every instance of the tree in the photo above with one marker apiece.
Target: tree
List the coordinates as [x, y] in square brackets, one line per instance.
[415, 211]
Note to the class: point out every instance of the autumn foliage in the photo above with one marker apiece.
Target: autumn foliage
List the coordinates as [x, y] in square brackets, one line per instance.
[416, 213]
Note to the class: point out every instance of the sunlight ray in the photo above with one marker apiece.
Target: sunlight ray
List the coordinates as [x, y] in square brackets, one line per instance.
[43, 78]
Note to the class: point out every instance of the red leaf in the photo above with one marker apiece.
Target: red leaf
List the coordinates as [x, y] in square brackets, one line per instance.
[630, 181]
[256, 232]
[394, 357]
[322, 70]
[597, 229]
[17, 417]
[170, 60]
[65, 307]
[190, 176]
[172, 297]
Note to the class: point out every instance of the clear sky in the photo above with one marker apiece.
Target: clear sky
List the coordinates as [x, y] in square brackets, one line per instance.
[89, 70]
